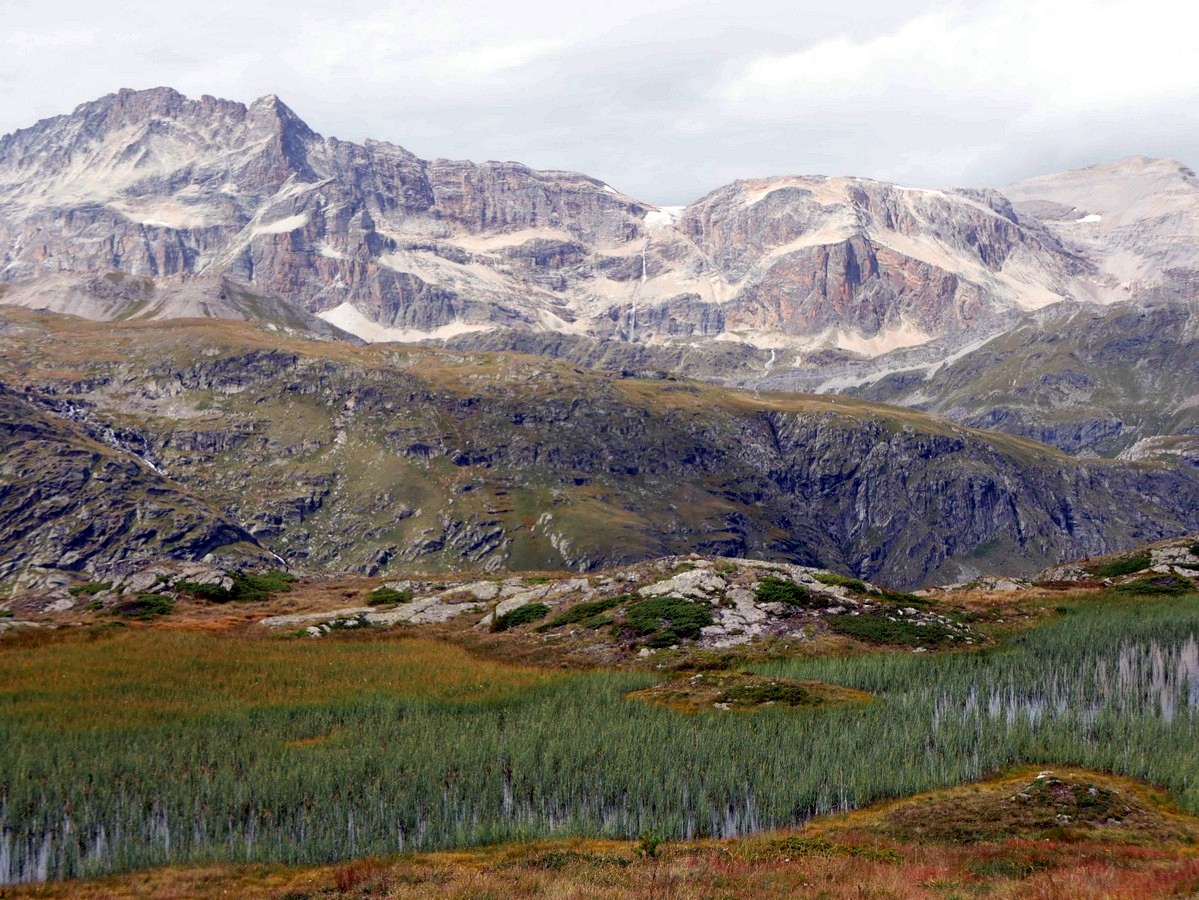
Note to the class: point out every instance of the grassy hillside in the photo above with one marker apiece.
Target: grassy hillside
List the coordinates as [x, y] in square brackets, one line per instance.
[376, 459]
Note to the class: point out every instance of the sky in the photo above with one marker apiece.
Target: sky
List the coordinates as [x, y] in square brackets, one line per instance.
[664, 100]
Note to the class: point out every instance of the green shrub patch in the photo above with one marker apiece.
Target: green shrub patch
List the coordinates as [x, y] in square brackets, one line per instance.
[589, 613]
[144, 605]
[855, 585]
[247, 588]
[522, 615]
[778, 590]
[1157, 584]
[876, 628]
[90, 589]
[1124, 566]
[666, 621]
[386, 596]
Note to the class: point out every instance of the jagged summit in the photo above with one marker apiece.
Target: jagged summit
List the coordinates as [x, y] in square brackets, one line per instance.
[379, 241]
[390, 246]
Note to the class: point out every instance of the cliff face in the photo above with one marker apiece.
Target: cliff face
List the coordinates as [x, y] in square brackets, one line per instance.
[152, 184]
[1093, 381]
[372, 459]
[71, 506]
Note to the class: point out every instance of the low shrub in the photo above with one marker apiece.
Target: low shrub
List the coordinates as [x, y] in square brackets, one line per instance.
[386, 596]
[522, 615]
[144, 606]
[667, 620]
[853, 584]
[206, 590]
[903, 599]
[1123, 566]
[587, 613]
[90, 589]
[261, 586]
[778, 590]
[876, 628]
[1157, 584]
[247, 588]
[757, 693]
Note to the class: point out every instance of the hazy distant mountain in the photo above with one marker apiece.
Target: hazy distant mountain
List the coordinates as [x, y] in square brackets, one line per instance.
[1137, 219]
[148, 205]
[389, 246]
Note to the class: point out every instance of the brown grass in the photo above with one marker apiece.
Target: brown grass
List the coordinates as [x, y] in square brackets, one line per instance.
[130, 677]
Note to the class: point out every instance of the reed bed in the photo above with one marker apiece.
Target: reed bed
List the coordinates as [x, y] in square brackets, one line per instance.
[147, 747]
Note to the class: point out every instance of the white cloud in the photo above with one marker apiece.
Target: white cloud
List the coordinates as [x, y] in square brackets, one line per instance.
[665, 99]
[1027, 55]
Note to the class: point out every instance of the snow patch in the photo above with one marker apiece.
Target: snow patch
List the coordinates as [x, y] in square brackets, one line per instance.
[330, 252]
[608, 189]
[1087, 219]
[349, 318]
[663, 216]
[281, 226]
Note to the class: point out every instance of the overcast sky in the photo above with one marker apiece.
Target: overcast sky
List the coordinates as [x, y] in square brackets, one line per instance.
[664, 100]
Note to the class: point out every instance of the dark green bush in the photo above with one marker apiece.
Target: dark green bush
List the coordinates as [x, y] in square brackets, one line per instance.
[1157, 584]
[1124, 566]
[247, 588]
[903, 599]
[89, 589]
[667, 620]
[206, 590]
[145, 605]
[778, 590]
[261, 586]
[385, 596]
[876, 628]
[853, 584]
[522, 615]
[760, 692]
[586, 613]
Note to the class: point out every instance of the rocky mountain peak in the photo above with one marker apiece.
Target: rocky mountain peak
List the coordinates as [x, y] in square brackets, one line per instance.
[393, 247]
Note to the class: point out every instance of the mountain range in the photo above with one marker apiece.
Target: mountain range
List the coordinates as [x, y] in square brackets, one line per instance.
[389, 246]
[546, 421]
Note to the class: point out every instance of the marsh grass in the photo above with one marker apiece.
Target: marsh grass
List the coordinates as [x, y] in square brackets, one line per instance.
[141, 747]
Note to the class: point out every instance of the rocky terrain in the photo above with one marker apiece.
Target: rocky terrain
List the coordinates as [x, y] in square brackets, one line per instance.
[68, 503]
[286, 437]
[711, 604]
[1136, 218]
[1096, 381]
[184, 195]
[148, 205]
[373, 459]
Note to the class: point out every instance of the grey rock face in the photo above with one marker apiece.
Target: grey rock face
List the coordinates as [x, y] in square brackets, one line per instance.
[70, 504]
[370, 460]
[1087, 380]
[152, 185]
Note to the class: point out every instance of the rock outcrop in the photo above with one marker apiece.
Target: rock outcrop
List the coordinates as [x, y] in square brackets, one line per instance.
[71, 507]
[373, 459]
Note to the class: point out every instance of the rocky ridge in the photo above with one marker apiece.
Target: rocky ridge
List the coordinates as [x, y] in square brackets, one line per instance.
[377, 459]
[729, 589]
[386, 245]
[71, 506]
